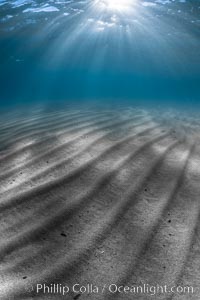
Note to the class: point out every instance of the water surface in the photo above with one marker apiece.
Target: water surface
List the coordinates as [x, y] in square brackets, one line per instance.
[122, 51]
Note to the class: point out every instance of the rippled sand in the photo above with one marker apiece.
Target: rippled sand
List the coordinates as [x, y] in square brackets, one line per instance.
[98, 196]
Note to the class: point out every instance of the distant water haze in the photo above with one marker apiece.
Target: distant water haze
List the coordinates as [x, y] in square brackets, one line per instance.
[107, 50]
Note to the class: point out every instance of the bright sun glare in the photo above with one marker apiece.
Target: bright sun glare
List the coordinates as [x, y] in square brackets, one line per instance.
[120, 5]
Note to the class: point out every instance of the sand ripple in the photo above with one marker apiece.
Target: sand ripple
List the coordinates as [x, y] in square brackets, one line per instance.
[98, 196]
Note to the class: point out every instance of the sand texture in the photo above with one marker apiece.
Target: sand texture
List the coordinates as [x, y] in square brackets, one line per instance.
[100, 196]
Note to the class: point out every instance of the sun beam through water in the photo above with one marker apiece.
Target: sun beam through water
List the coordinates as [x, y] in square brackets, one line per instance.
[118, 5]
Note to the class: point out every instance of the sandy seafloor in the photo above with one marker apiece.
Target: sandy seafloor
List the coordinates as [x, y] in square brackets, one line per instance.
[99, 195]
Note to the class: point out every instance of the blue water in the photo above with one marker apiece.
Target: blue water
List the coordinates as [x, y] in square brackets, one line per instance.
[107, 50]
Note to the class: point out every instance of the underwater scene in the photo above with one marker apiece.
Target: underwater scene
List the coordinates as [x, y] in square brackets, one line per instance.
[100, 149]
[119, 50]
